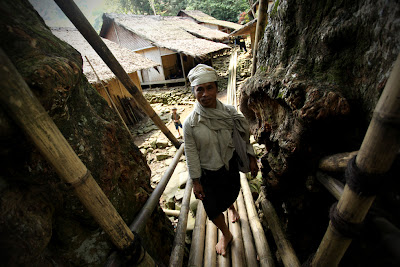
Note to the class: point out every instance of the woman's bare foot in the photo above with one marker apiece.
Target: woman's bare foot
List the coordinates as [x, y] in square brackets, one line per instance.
[233, 214]
[223, 244]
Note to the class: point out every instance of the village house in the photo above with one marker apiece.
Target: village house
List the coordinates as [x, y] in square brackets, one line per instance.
[209, 21]
[176, 43]
[103, 79]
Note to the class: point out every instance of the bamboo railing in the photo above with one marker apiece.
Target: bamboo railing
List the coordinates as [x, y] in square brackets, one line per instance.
[376, 155]
[148, 208]
[26, 110]
[75, 15]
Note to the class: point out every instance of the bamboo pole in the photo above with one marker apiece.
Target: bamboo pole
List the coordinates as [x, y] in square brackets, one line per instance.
[109, 97]
[285, 249]
[198, 236]
[174, 213]
[237, 248]
[248, 240]
[179, 241]
[72, 11]
[262, 246]
[337, 162]
[334, 186]
[224, 261]
[210, 254]
[21, 104]
[261, 22]
[376, 155]
[153, 201]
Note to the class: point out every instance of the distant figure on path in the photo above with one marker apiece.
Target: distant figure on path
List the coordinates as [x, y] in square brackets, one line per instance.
[210, 152]
[175, 118]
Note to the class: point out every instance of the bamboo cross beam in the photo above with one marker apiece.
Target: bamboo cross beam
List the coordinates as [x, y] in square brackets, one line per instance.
[376, 155]
[22, 105]
[75, 15]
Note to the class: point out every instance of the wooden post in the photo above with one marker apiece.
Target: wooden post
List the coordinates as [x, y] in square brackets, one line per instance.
[261, 22]
[248, 240]
[262, 246]
[285, 249]
[179, 241]
[210, 254]
[183, 70]
[21, 104]
[71, 10]
[198, 236]
[376, 155]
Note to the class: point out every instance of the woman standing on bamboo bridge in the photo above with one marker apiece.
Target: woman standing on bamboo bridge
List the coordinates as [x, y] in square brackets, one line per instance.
[210, 152]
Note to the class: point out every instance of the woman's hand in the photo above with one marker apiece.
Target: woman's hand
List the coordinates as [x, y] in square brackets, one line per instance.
[253, 166]
[198, 189]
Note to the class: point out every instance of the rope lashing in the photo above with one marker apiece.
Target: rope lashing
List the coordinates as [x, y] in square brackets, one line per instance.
[364, 184]
[343, 227]
[134, 254]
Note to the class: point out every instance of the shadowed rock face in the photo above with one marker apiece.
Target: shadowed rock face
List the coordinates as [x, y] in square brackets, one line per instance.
[41, 220]
[322, 66]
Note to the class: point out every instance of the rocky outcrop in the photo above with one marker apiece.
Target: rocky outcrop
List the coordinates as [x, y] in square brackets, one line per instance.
[321, 68]
[41, 220]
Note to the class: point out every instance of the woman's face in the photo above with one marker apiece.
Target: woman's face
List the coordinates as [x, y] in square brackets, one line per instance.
[206, 94]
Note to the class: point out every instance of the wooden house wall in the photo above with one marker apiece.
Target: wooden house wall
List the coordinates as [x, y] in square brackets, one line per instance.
[122, 99]
[152, 74]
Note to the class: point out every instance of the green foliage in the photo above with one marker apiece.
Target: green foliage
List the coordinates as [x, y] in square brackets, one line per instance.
[228, 10]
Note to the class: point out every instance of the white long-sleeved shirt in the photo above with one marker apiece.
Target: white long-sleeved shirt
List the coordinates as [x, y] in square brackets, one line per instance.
[202, 148]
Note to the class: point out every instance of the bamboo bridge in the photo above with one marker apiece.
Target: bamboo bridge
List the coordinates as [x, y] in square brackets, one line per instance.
[249, 246]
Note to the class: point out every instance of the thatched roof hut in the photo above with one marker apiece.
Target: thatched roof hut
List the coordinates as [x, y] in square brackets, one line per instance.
[209, 21]
[174, 33]
[176, 43]
[130, 61]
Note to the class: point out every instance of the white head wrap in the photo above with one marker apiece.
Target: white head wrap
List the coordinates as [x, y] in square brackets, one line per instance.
[202, 74]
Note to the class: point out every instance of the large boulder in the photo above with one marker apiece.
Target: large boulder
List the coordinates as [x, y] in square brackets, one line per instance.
[42, 222]
[322, 66]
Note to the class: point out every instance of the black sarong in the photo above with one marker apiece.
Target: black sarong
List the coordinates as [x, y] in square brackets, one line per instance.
[221, 188]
